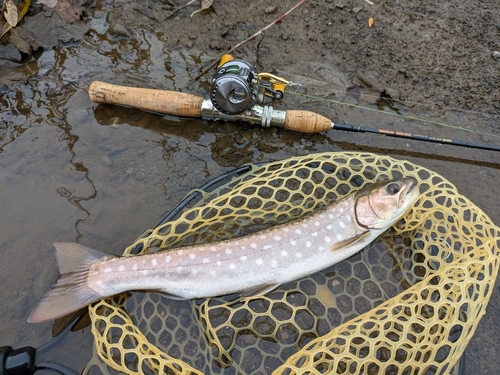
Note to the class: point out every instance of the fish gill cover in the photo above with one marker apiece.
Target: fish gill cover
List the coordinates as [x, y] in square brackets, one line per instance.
[408, 303]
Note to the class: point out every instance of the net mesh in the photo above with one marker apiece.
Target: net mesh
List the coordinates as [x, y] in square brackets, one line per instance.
[406, 304]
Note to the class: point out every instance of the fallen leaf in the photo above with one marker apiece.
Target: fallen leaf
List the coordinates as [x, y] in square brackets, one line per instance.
[370, 22]
[49, 3]
[21, 11]
[69, 10]
[11, 13]
[205, 4]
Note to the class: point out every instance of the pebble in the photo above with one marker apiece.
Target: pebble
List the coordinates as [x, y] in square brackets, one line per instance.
[139, 176]
[119, 30]
[188, 43]
[216, 44]
[271, 9]
[106, 161]
[495, 54]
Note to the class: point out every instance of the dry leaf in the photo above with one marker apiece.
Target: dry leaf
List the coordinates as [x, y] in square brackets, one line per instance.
[21, 11]
[49, 3]
[370, 22]
[10, 13]
[205, 4]
[69, 10]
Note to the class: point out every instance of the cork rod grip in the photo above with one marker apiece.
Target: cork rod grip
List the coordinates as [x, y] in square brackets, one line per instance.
[162, 101]
[306, 122]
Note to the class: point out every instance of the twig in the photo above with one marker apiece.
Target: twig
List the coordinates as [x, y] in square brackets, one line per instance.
[252, 37]
[180, 8]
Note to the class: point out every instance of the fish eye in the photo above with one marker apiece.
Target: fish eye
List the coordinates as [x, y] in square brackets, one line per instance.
[392, 188]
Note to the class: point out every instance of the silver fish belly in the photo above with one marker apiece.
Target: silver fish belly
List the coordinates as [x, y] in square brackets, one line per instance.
[251, 265]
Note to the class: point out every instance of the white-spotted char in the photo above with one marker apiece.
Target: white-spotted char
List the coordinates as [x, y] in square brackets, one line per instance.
[251, 265]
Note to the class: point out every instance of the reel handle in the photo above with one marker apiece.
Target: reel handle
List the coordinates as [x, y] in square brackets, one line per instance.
[306, 122]
[163, 101]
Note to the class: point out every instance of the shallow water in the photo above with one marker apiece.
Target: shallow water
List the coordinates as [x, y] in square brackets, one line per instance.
[71, 170]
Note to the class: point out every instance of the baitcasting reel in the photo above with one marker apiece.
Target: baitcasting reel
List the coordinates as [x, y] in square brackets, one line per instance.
[237, 86]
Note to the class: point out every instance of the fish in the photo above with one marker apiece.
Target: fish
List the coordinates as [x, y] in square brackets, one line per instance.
[250, 265]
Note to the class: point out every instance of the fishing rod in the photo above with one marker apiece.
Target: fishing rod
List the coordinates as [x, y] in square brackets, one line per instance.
[238, 93]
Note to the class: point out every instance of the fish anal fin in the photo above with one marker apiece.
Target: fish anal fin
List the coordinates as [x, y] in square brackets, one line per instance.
[350, 241]
[259, 290]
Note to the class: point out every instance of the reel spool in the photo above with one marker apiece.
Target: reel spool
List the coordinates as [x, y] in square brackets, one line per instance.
[237, 87]
[231, 92]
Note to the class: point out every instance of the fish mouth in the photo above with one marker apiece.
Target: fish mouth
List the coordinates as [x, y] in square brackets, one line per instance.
[410, 188]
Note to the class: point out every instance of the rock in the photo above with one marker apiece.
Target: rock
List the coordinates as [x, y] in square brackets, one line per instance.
[9, 52]
[119, 30]
[271, 9]
[495, 54]
[106, 161]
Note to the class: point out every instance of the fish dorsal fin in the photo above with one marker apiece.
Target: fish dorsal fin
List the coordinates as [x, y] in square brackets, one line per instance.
[350, 241]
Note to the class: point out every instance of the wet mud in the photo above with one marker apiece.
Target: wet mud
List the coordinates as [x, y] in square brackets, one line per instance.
[72, 170]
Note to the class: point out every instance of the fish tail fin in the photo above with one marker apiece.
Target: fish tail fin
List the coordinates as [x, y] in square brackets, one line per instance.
[71, 291]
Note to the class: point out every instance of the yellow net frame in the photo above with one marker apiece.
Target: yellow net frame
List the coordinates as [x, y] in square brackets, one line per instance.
[407, 304]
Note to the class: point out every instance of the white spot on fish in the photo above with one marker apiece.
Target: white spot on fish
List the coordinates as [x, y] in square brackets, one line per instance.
[213, 248]
[263, 236]
[180, 252]
[327, 239]
[298, 255]
[154, 262]
[321, 248]
[253, 245]
[342, 224]
[218, 262]
[277, 238]
[107, 269]
[121, 268]
[348, 218]
[293, 242]
[284, 253]
[194, 271]
[259, 261]
[298, 231]
[168, 258]
[287, 230]
[144, 272]
[304, 225]
[315, 234]
[212, 272]
[341, 208]
[329, 227]
[340, 237]
[330, 216]
[267, 247]
[179, 269]
[228, 251]
[308, 244]
[243, 257]
[322, 216]
[317, 223]
[206, 260]
[192, 256]
[274, 263]
[134, 267]
[232, 266]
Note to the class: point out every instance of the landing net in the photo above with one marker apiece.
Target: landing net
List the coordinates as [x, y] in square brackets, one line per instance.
[407, 304]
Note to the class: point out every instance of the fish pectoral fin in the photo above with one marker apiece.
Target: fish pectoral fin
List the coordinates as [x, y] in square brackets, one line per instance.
[350, 241]
[259, 290]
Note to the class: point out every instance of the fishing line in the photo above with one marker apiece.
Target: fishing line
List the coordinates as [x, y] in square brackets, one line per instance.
[408, 117]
